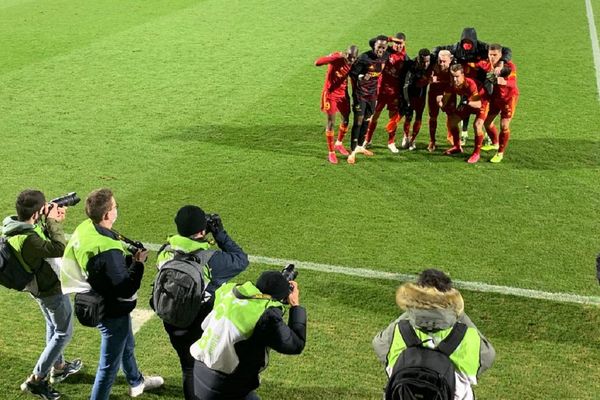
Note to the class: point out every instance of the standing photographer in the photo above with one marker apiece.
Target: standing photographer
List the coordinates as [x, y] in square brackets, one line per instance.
[222, 265]
[32, 246]
[247, 321]
[95, 261]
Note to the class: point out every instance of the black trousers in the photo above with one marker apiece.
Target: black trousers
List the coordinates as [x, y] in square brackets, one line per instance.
[181, 340]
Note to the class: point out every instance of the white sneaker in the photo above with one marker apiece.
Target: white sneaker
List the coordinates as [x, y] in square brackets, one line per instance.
[368, 145]
[393, 148]
[405, 142]
[413, 146]
[149, 383]
[463, 137]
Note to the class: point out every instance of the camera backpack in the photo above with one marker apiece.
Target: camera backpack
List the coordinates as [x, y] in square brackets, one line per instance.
[422, 372]
[13, 274]
[179, 288]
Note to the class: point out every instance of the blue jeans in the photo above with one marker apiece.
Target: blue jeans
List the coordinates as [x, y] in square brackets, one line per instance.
[116, 349]
[58, 313]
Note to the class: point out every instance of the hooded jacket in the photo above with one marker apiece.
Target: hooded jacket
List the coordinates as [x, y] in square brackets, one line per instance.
[430, 310]
[35, 250]
[478, 52]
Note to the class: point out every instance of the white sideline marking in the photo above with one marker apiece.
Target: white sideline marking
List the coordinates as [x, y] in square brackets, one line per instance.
[369, 273]
[139, 317]
[594, 38]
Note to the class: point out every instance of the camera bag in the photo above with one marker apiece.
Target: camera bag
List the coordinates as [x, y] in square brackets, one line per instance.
[89, 308]
[13, 274]
[422, 372]
[179, 289]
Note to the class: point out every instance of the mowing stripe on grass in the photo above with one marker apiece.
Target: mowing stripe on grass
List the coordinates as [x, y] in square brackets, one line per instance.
[369, 273]
[594, 38]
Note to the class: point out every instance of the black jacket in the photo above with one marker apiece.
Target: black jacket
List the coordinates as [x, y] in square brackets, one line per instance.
[477, 53]
[115, 277]
[224, 265]
[270, 332]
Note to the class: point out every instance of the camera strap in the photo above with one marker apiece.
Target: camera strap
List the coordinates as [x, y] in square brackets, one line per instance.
[260, 296]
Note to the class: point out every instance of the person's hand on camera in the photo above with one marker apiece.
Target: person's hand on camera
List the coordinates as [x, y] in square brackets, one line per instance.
[141, 255]
[294, 296]
[55, 212]
[215, 225]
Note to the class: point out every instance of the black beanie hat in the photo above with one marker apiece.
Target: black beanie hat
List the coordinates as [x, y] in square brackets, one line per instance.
[190, 220]
[273, 283]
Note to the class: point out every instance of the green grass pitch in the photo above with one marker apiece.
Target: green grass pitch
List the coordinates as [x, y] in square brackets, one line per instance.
[217, 104]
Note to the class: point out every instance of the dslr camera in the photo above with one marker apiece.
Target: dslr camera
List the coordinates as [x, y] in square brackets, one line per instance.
[290, 274]
[68, 200]
[214, 224]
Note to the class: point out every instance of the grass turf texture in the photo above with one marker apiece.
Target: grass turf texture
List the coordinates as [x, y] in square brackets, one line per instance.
[216, 104]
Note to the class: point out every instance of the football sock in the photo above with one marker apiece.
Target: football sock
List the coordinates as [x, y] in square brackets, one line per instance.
[492, 132]
[342, 132]
[416, 128]
[329, 135]
[504, 137]
[432, 129]
[478, 142]
[371, 128]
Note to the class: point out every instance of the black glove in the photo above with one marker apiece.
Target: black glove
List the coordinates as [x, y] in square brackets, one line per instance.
[214, 224]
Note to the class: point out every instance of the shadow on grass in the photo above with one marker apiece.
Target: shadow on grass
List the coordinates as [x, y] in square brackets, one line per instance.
[276, 390]
[308, 141]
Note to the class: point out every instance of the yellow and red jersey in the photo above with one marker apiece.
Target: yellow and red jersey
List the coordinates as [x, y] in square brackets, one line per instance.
[336, 80]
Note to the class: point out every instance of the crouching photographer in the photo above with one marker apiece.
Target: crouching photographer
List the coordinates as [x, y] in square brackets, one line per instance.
[187, 258]
[35, 238]
[246, 321]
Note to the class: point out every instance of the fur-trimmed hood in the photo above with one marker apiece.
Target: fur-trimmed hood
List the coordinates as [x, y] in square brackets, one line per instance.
[428, 308]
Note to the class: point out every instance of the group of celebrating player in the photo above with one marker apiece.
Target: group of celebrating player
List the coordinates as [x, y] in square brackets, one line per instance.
[462, 79]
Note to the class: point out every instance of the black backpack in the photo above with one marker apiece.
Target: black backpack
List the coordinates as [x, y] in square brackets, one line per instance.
[13, 274]
[179, 287]
[423, 373]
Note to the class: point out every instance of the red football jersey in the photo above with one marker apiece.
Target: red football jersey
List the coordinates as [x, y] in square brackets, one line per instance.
[468, 89]
[503, 92]
[390, 77]
[439, 80]
[336, 80]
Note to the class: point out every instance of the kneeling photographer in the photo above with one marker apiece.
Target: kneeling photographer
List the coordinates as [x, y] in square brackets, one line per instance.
[187, 258]
[247, 321]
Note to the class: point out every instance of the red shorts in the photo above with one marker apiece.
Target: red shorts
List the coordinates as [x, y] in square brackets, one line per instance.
[391, 101]
[332, 105]
[481, 113]
[506, 108]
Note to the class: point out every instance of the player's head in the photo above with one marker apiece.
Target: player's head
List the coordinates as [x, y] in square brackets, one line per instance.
[458, 74]
[468, 39]
[444, 59]
[378, 44]
[398, 42]
[494, 53]
[424, 58]
[351, 53]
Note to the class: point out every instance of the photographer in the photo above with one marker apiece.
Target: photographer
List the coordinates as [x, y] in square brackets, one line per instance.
[32, 245]
[94, 261]
[247, 321]
[192, 227]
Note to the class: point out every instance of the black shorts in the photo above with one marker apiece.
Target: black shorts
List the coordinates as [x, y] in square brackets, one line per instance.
[366, 108]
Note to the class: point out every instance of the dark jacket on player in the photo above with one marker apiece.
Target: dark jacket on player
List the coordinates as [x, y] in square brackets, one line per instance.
[270, 332]
[478, 52]
[415, 80]
[367, 64]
